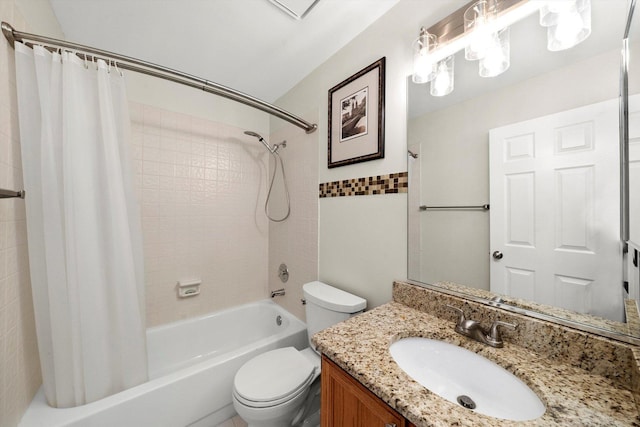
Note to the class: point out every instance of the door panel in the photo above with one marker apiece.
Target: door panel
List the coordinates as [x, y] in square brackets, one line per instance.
[555, 210]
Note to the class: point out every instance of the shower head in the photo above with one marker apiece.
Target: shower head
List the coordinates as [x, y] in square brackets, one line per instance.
[261, 139]
[251, 133]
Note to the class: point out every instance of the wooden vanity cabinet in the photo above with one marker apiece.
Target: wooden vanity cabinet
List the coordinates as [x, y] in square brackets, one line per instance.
[347, 403]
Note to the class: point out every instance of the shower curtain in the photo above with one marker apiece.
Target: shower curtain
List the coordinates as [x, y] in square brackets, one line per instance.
[83, 226]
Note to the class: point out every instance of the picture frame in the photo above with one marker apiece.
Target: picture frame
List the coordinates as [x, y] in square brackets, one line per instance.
[356, 117]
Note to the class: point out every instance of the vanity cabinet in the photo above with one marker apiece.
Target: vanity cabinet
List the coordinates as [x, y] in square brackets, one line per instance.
[347, 403]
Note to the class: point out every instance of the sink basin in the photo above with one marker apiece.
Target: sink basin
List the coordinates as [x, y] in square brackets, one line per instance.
[467, 379]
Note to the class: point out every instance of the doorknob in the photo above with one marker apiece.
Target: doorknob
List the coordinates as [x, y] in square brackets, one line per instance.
[497, 255]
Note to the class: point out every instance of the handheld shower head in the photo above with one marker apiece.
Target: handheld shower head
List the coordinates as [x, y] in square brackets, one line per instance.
[261, 139]
[276, 157]
[251, 133]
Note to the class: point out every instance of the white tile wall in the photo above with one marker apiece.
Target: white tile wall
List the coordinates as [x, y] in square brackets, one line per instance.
[295, 241]
[19, 363]
[202, 186]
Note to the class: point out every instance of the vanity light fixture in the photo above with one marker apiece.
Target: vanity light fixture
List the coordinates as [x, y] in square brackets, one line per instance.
[568, 22]
[481, 28]
[488, 41]
[424, 69]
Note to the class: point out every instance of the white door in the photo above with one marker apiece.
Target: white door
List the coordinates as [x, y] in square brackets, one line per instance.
[555, 210]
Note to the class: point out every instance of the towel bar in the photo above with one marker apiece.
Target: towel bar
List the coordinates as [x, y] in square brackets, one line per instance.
[7, 194]
[483, 207]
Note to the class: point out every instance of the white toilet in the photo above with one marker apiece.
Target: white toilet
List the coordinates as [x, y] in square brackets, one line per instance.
[281, 387]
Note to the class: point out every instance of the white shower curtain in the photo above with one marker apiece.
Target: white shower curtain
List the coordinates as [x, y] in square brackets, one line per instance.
[84, 236]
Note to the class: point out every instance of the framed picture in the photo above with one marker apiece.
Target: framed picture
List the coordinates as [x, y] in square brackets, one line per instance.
[356, 117]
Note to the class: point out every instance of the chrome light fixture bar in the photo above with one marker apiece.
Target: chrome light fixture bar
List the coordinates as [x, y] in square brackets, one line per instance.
[481, 28]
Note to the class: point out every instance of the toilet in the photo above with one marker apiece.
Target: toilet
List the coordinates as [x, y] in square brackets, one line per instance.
[282, 387]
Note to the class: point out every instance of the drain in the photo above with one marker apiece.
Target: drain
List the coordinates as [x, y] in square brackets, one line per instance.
[279, 320]
[466, 402]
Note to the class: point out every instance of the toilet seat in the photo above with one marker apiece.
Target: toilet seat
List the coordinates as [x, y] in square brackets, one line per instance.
[273, 378]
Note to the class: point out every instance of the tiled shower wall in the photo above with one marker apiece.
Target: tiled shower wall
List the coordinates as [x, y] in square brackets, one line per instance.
[295, 241]
[19, 363]
[202, 187]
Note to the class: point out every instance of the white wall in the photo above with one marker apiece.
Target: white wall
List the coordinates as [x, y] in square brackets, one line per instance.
[362, 239]
[194, 102]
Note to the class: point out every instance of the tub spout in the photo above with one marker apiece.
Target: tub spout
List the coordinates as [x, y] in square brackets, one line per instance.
[277, 293]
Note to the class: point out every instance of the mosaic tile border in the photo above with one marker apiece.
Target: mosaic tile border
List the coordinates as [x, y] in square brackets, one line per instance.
[381, 184]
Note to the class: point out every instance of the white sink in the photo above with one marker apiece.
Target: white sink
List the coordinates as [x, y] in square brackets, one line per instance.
[451, 372]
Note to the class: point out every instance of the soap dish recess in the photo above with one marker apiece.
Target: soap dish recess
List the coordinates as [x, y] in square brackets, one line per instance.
[189, 288]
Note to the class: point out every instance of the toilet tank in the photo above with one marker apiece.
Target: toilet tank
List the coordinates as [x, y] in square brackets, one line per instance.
[327, 306]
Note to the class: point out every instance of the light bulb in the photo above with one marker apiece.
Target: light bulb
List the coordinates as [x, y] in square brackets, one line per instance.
[497, 59]
[442, 84]
[479, 23]
[492, 63]
[423, 66]
[550, 10]
[480, 42]
[568, 22]
[442, 80]
[568, 27]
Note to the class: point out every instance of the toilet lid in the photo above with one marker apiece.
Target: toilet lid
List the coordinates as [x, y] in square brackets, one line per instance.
[273, 375]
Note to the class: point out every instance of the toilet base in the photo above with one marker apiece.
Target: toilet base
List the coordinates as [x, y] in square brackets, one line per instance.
[303, 411]
[274, 416]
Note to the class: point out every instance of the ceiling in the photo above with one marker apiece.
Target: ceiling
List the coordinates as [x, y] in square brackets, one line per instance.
[249, 45]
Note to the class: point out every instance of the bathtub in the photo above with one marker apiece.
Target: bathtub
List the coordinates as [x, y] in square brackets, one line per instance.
[191, 368]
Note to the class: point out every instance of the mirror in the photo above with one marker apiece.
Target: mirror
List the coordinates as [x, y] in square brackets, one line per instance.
[631, 80]
[539, 144]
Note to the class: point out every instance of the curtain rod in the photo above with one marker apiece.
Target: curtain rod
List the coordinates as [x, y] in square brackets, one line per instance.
[151, 69]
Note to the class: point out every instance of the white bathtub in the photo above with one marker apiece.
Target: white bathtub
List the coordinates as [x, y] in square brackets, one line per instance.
[191, 368]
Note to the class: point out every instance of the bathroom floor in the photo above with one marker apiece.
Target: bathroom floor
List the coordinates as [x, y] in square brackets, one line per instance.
[234, 422]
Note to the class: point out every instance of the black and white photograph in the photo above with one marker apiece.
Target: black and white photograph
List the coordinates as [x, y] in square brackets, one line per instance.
[354, 115]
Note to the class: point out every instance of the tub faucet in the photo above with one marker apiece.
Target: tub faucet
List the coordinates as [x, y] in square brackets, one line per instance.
[277, 293]
[474, 330]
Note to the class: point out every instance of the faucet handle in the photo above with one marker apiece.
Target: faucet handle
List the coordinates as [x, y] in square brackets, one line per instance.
[459, 310]
[462, 325]
[493, 337]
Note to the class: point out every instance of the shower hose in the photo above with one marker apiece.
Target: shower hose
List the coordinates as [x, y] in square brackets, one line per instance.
[276, 158]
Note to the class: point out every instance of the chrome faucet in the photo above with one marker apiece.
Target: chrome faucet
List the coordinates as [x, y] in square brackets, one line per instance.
[277, 293]
[472, 329]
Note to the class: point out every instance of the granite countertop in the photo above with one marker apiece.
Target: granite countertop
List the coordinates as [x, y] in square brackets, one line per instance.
[572, 396]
